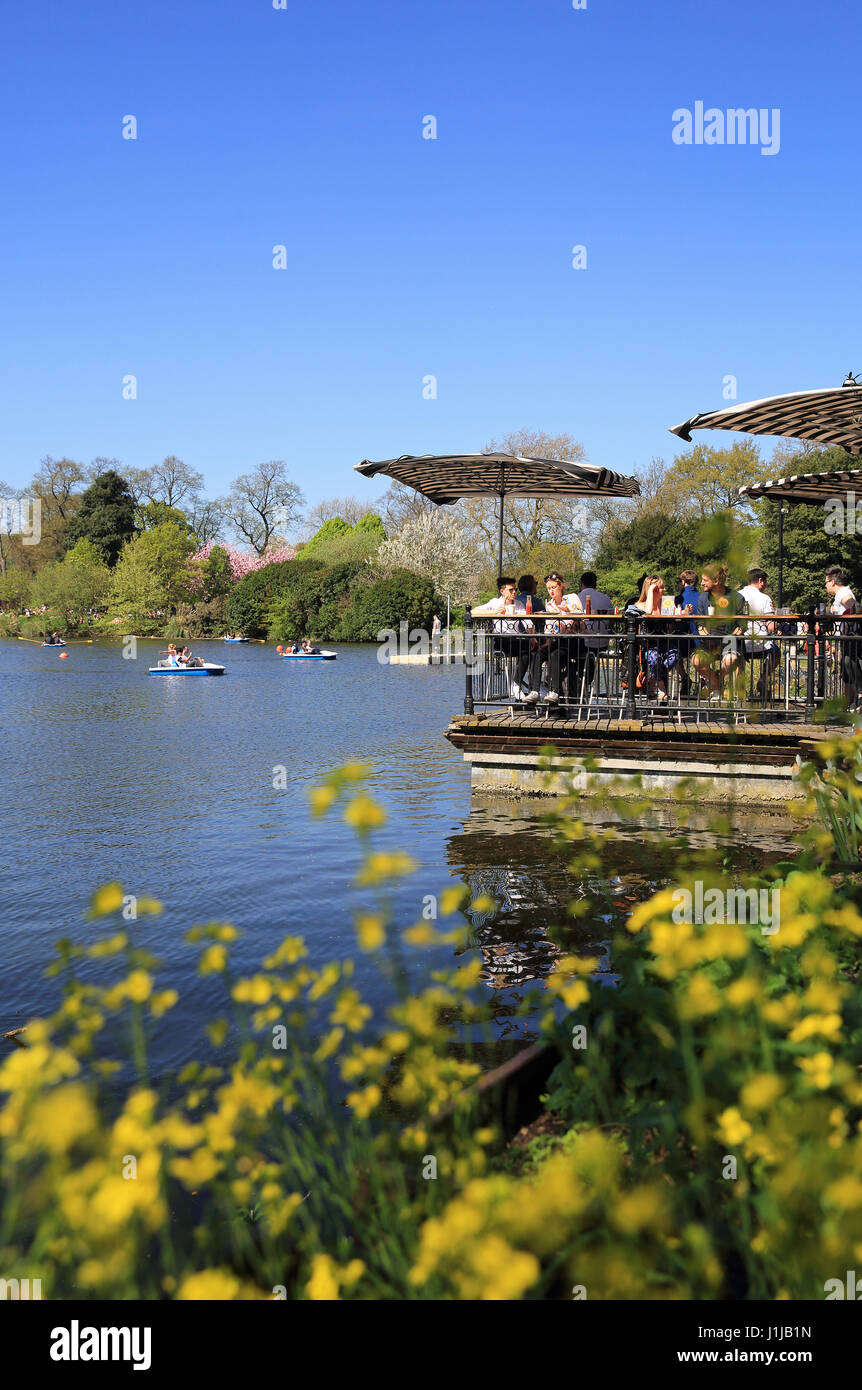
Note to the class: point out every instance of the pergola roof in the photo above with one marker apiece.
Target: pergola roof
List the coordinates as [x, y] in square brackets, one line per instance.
[444, 478]
[805, 487]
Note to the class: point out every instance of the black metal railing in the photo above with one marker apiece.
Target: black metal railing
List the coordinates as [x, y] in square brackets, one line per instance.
[618, 667]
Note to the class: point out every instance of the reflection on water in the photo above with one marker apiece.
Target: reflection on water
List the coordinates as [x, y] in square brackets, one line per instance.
[506, 851]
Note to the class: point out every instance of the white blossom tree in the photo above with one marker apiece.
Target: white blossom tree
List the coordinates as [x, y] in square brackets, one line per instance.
[433, 544]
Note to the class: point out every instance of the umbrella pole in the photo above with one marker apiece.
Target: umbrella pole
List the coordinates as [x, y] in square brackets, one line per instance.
[500, 540]
[780, 553]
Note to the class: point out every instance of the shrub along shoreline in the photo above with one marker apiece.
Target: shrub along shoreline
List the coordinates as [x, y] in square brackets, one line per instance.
[281, 601]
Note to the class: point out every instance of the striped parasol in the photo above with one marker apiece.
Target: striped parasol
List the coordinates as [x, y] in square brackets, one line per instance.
[446, 478]
[831, 417]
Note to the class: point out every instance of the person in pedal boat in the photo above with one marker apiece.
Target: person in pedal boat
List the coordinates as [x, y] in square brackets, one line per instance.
[308, 649]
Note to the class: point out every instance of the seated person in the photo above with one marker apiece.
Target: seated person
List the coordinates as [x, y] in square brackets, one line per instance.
[559, 660]
[658, 651]
[529, 655]
[507, 629]
[720, 652]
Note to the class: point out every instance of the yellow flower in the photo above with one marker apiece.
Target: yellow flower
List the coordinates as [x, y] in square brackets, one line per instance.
[329, 1045]
[364, 813]
[700, 998]
[105, 900]
[824, 1025]
[657, 906]
[60, 1119]
[451, 899]
[323, 1285]
[210, 1286]
[818, 1069]
[291, 950]
[139, 986]
[725, 940]
[160, 1003]
[213, 960]
[378, 868]
[370, 931]
[364, 1102]
[109, 947]
[350, 1011]
[733, 1129]
[422, 934]
[257, 990]
[742, 992]
[196, 1170]
[845, 1193]
[321, 799]
[761, 1091]
[641, 1207]
[500, 1273]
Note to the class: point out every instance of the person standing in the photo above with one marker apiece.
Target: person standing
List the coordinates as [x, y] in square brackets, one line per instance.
[598, 602]
[844, 601]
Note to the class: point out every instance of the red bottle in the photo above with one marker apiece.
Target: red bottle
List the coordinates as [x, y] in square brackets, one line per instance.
[529, 603]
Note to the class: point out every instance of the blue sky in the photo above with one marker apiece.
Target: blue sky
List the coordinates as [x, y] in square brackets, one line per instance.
[409, 257]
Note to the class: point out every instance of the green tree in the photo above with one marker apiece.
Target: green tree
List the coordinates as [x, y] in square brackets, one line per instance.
[401, 596]
[809, 548]
[75, 585]
[706, 480]
[370, 522]
[157, 513]
[654, 540]
[333, 529]
[216, 575]
[152, 572]
[105, 516]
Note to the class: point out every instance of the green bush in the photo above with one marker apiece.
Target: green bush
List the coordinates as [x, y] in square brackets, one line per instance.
[398, 597]
[249, 602]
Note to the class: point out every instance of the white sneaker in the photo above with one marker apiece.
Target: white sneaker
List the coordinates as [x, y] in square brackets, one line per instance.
[515, 692]
[552, 697]
[531, 697]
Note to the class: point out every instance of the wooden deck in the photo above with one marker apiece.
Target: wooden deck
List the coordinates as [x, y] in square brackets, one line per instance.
[775, 744]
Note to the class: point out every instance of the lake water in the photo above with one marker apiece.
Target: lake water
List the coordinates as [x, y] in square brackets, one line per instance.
[167, 785]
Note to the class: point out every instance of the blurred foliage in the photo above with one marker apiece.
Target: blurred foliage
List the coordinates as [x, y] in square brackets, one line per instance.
[708, 1104]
